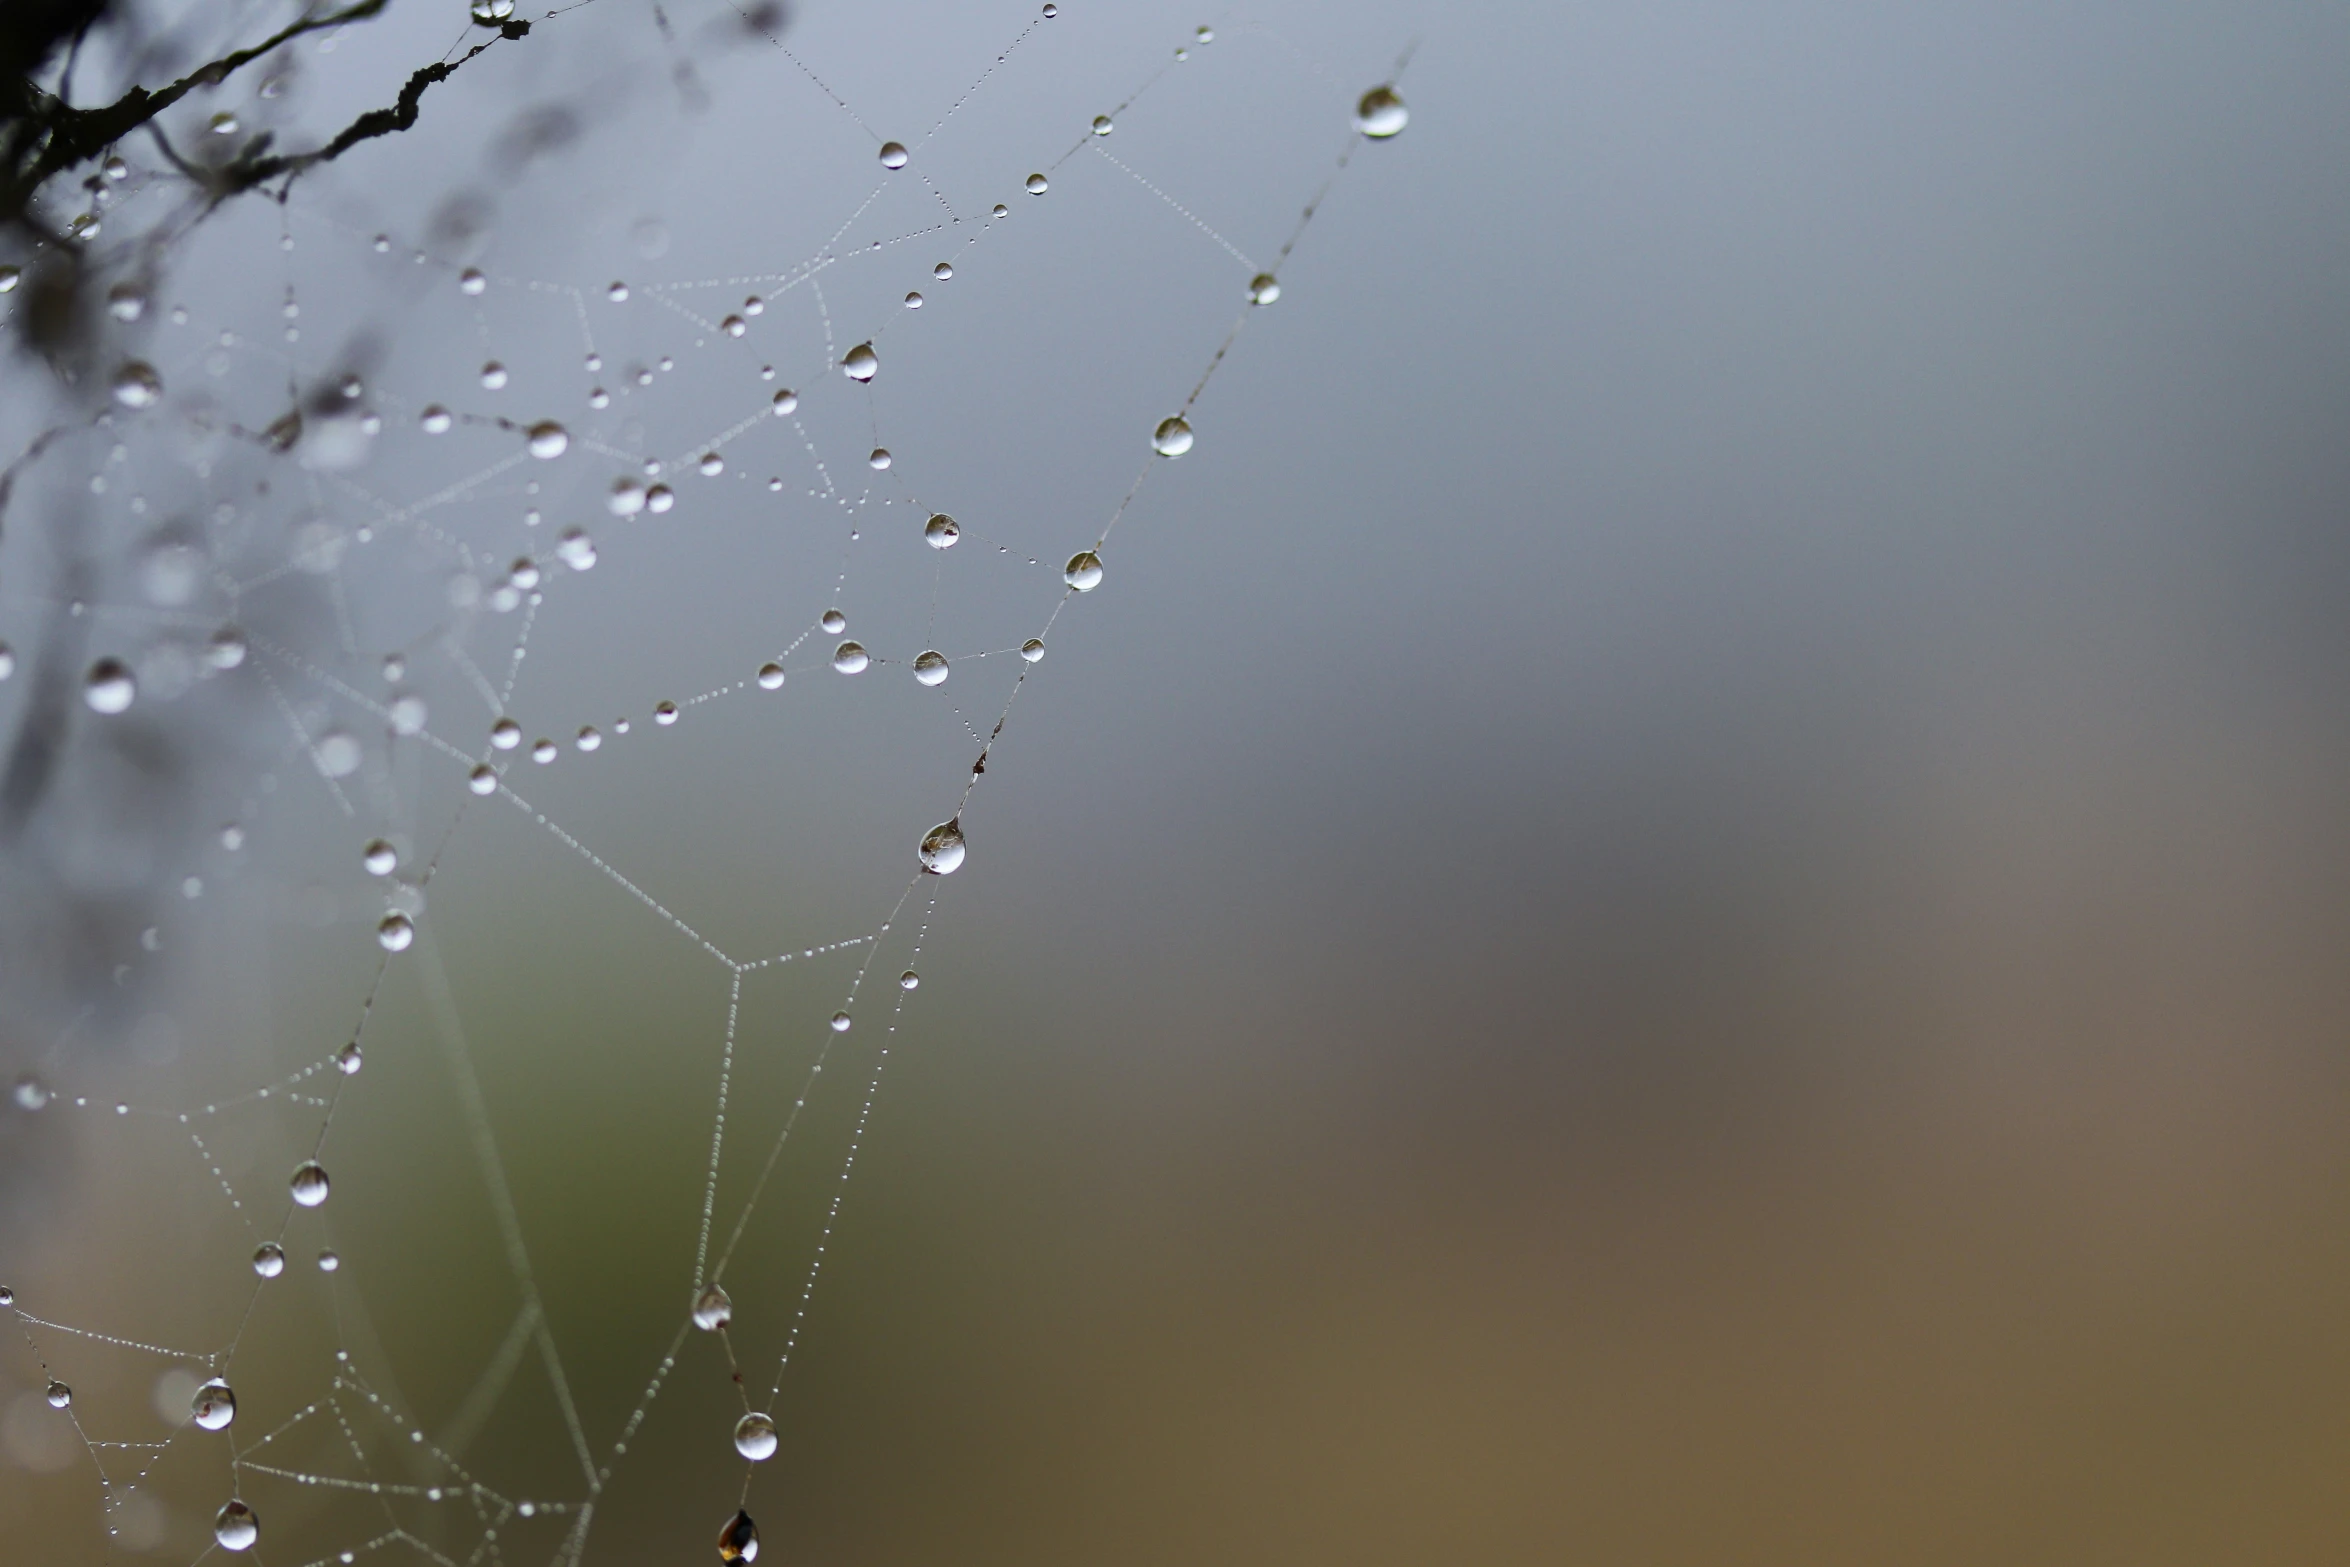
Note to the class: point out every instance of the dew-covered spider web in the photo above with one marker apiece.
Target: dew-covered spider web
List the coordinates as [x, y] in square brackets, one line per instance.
[512, 632]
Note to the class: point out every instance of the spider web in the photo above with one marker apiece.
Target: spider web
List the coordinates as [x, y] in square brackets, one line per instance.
[557, 687]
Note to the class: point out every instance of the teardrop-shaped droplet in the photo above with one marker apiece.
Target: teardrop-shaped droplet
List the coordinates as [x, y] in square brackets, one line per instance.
[861, 362]
[236, 1527]
[215, 1406]
[309, 1184]
[1036, 184]
[1084, 571]
[1032, 649]
[893, 155]
[941, 531]
[754, 1437]
[1381, 113]
[930, 668]
[108, 687]
[549, 440]
[942, 848]
[1263, 289]
[1173, 437]
[136, 385]
[850, 658]
[397, 931]
[713, 1309]
[739, 1540]
[59, 1394]
[269, 1259]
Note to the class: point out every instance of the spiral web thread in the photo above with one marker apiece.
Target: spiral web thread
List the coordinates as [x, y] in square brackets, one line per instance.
[352, 1414]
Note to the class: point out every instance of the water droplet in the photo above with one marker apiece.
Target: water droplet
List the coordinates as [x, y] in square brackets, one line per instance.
[739, 1540]
[483, 779]
[1001, 211]
[575, 549]
[754, 1437]
[787, 403]
[909, 980]
[943, 271]
[941, 531]
[407, 713]
[664, 713]
[549, 440]
[913, 300]
[1032, 649]
[1173, 436]
[850, 658]
[471, 281]
[493, 376]
[1051, 11]
[930, 668]
[136, 385]
[269, 1259]
[214, 1406]
[834, 622]
[309, 1184]
[337, 754]
[505, 734]
[328, 1262]
[713, 1308]
[712, 465]
[108, 687]
[627, 498]
[1207, 34]
[380, 858]
[1035, 184]
[236, 1527]
[60, 1396]
[349, 1059]
[893, 155]
[1263, 289]
[435, 420]
[396, 930]
[226, 650]
[224, 124]
[861, 362]
[841, 1022]
[659, 498]
[7, 1298]
[543, 751]
[126, 301]
[1084, 571]
[7, 661]
[1381, 113]
[1102, 125]
[30, 1093]
[734, 326]
[771, 677]
[9, 278]
[879, 459]
[589, 738]
[942, 848]
[617, 293]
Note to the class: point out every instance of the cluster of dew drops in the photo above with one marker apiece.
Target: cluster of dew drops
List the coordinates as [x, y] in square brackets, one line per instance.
[108, 688]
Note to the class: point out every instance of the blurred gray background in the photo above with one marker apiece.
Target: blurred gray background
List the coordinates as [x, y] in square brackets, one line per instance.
[1682, 901]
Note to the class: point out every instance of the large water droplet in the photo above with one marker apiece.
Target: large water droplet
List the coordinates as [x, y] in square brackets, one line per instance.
[59, 1395]
[771, 676]
[226, 650]
[787, 403]
[236, 1527]
[471, 281]
[549, 440]
[909, 980]
[396, 932]
[713, 1309]
[942, 848]
[754, 1437]
[1032, 649]
[930, 668]
[941, 531]
[379, 858]
[349, 1060]
[505, 734]
[30, 1093]
[126, 301]
[1173, 436]
[269, 1259]
[309, 1183]
[435, 420]
[850, 658]
[215, 1406]
[893, 155]
[108, 687]
[483, 780]
[136, 385]
[1263, 289]
[739, 1540]
[834, 622]
[1084, 571]
[1036, 184]
[1102, 125]
[1381, 113]
[861, 362]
